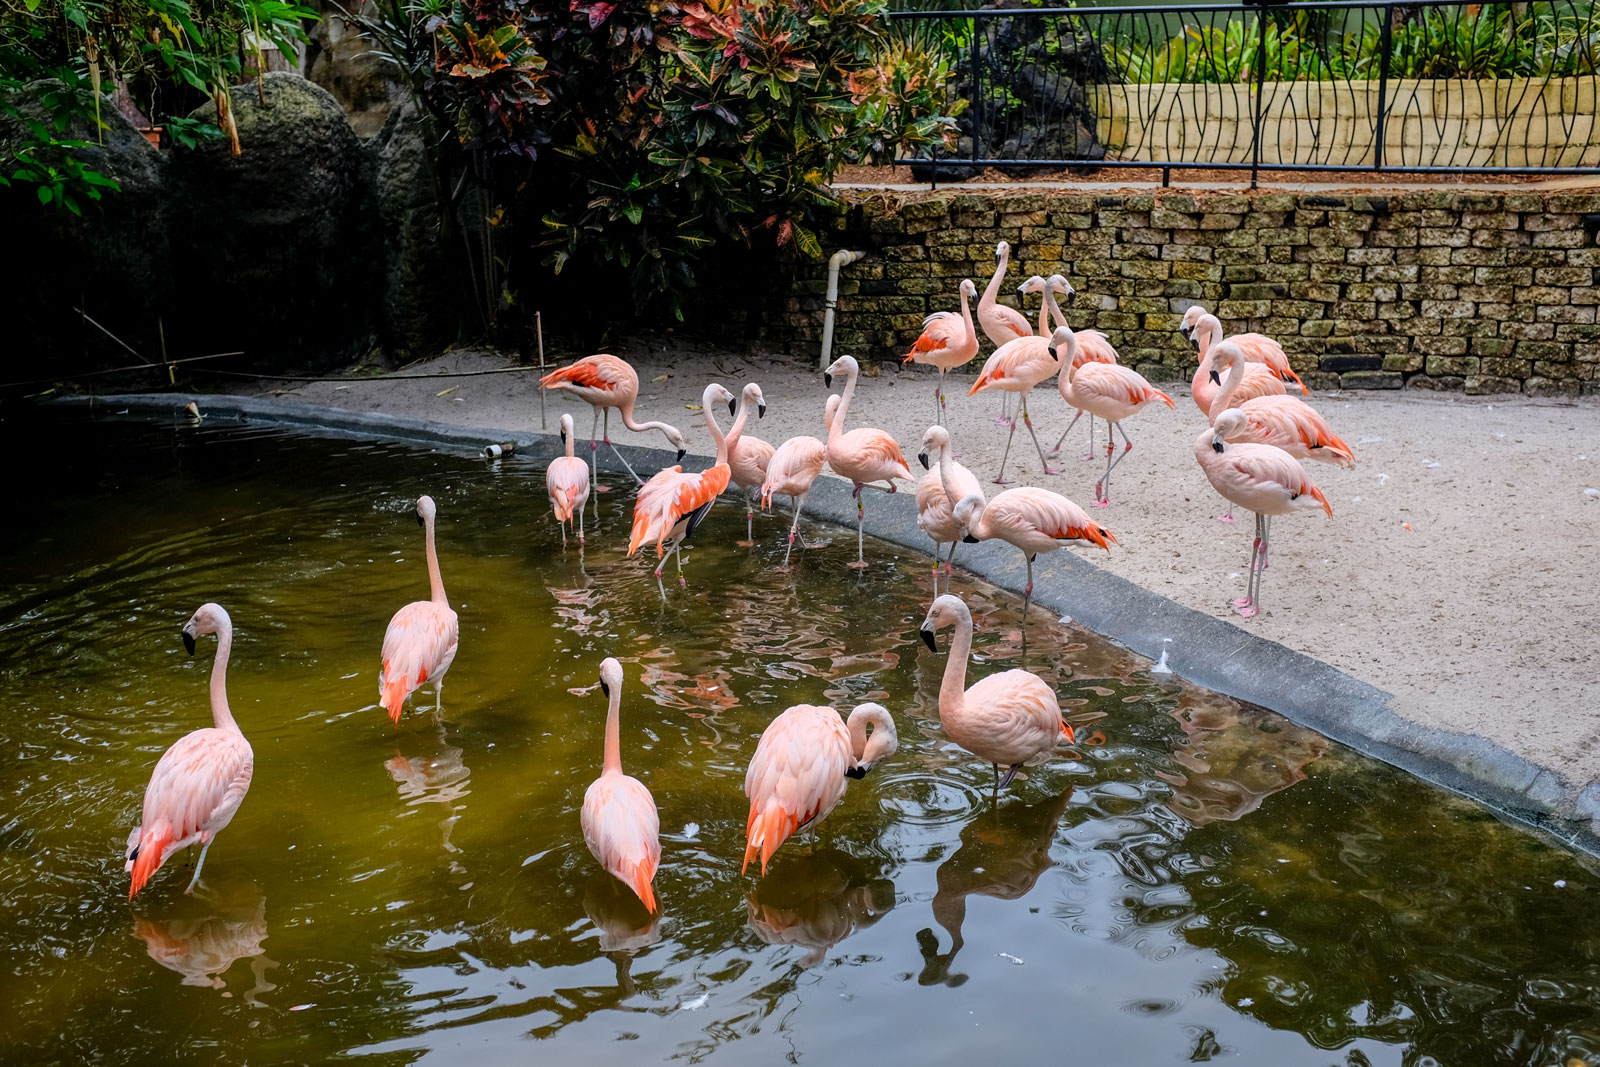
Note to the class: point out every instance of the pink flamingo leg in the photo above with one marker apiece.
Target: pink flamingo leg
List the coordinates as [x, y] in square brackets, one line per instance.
[1102, 490]
[594, 474]
[1056, 450]
[861, 513]
[1045, 463]
[199, 864]
[1246, 604]
[1001, 479]
[1228, 517]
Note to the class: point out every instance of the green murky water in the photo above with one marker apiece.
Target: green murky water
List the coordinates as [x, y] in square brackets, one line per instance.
[1208, 882]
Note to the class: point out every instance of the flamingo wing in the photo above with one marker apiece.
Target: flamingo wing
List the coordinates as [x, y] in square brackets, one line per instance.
[941, 332]
[1117, 385]
[1267, 479]
[1002, 323]
[671, 497]
[419, 644]
[868, 455]
[796, 776]
[623, 831]
[1018, 715]
[1026, 509]
[1093, 348]
[793, 468]
[567, 484]
[1297, 428]
[602, 373]
[196, 787]
[1259, 348]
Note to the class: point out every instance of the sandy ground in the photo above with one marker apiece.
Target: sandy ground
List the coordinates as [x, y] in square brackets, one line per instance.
[1458, 571]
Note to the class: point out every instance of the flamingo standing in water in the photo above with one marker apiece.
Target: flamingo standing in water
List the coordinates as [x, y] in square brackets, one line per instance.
[948, 341]
[201, 780]
[672, 504]
[937, 493]
[620, 824]
[801, 766]
[566, 482]
[1105, 389]
[605, 382]
[1284, 421]
[1257, 347]
[748, 458]
[420, 643]
[1010, 719]
[1258, 378]
[1093, 347]
[1001, 323]
[1260, 478]
[1034, 520]
[1016, 367]
[794, 469]
[863, 455]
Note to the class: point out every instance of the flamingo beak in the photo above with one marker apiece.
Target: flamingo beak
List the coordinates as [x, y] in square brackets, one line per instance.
[419, 519]
[1216, 445]
[1194, 342]
[1072, 294]
[858, 771]
[1184, 330]
[1053, 355]
[731, 407]
[922, 458]
[681, 451]
[188, 639]
[761, 410]
[927, 639]
[1216, 379]
[604, 688]
[563, 436]
[967, 538]
[827, 380]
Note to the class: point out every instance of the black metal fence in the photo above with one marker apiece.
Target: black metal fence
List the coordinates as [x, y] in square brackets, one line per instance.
[1346, 85]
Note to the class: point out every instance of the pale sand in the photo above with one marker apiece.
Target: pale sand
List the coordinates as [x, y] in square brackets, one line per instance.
[1479, 618]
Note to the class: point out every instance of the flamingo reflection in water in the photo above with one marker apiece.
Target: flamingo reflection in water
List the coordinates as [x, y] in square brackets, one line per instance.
[815, 900]
[209, 933]
[1003, 852]
[625, 925]
[434, 775]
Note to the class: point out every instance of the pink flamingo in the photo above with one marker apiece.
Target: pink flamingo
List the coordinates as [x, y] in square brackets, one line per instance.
[1257, 347]
[1260, 478]
[793, 471]
[1105, 389]
[748, 458]
[1284, 421]
[566, 482]
[937, 493]
[948, 341]
[1034, 520]
[1010, 719]
[863, 455]
[420, 643]
[199, 782]
[1001, 323]
[1093, 347]
[1258, 379]
[1016, 367]
[605, 382]
[620, 824]
[672, 504]
[802, 763]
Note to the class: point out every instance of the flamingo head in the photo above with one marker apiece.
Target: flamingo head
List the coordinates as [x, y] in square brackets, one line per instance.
[845, 365]
[1228, 425]
[1223, 356]
[966, 513]
[1059, 283]
[1034, 284]
[425, 510]
[872, 748]
[567, 432]
[969, 289]
[674, 436]
[944, 611]
[751, 394]
[1063, 345]
[1191, 317]
[934, 442]
[1001, 251]
[610, 675]
[208, 619]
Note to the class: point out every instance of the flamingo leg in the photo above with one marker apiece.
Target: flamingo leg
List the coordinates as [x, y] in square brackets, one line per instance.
[794, 528]
[563, 532]
[1029, 424]
[1005, 409]
[861, 515]
[1000, 479]
[438, 694]
[1229, 516]
[1027, 595]
[1090, 454]
[580, 528]
[594, 474]
[1011, 773]
[1102, 490]
[947, 561]
[1246, 604]
[1068, 430]
[199, 864]
[637, 480]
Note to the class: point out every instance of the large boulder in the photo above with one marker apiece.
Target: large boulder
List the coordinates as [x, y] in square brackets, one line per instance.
[351, 67]
[422, 291]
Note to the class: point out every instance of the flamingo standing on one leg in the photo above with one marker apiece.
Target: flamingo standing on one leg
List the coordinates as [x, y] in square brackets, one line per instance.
[1260, 478]
[948, 341]
[1093, 347]
[937, 493]
[1258, 379]
[748, 458]
[620, 824]
[420, 643]
[1034, 520]
[200, 781]
[672, 504]
[1001, 323]
[863, 455]
[1287, 422]
[1011, 719]
[802, 763]
[1257, 348]
[566, 482]
[793, 470]
[1105, 389]
[605, 382]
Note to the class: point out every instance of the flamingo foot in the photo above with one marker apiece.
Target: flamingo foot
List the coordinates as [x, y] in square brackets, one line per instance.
[1242, 602]
[1101, 502]
[602, 489]
[1090, 457]
[857, 565]
[1226, 518]
[1054, 452]
[954, 454]
[1051, 470]
[683, 583]
[1247, 611]
[1002, 481]
[744, 544]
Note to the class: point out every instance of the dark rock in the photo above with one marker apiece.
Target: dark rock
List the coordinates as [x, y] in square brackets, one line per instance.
[1341, 364]
[347, 64]
[422, 291]
[1372, 379]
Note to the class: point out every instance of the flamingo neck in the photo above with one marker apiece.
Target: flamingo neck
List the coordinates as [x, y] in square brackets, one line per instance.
[716, 434]
[613, 759]
[639, 427]
[1044, 313]
[945, 472]
[966, 318]
[1201, 385]
[221, 714]
[736, 431]
[857, 723]
[1222, 400]
[836, 428]
[992, 290]
[435, 582]
[1055, 309]
[571, 445]
[953, 690]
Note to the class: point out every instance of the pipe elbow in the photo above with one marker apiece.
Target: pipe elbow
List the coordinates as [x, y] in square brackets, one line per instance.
[843, 258]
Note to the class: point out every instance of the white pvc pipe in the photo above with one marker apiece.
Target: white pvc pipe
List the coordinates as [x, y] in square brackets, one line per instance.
[839, 259]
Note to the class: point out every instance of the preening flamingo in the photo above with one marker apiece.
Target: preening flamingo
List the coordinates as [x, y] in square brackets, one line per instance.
[420, 643]
[672, 504]
[201, 780]
[1285, 421]
[748, 458]
[1258, 379]
[1105, 389]
[1016, 367]
[1092, 347]
[620, 824]
[801, 766]
[566, 482]
[1257, 347]
[948, 341]
[1001, 323]
[863, 455]
[794, 469]
[605, 382]
[1034, 520]
[1010, 719]
[1260, 478]
[937, 493]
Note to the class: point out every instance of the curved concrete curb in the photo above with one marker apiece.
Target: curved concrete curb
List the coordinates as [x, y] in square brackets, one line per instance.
[1299, 687]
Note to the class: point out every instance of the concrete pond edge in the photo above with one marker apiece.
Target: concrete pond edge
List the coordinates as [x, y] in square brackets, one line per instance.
[1299, 687]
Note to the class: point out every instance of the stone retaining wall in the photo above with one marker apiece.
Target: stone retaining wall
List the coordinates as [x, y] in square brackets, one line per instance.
[1485, 292]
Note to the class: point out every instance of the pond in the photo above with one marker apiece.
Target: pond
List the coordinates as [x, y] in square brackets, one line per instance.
[1199, 880]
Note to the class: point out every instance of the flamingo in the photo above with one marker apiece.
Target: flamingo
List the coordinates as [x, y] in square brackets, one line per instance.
[1093, 347]
[605, 382]
[748, 458]
[1260, 478]
[198, 783]
[937, 492]
[863, 455]
[948, 341]
[794, 469]
[420, 643]
[1010, 719]
[1105, 389]
[1285, 421]
[1001, 323]
[620, 824]
[672, 504]
[1034, 520]
[1257, 347]
[1016, 367]
[1258, 379]
[801, 766]
[566, 482]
